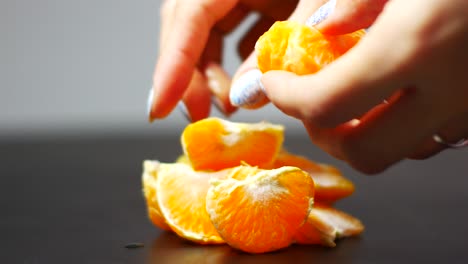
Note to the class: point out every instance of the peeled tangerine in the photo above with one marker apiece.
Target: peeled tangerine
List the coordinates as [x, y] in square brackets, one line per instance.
[215, 144]
[298, 48]
[235, 184]
[257, 210]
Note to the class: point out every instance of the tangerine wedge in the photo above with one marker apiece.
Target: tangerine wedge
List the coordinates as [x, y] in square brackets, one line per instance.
[258, 210]
[181, 197]
[294, 47]
[150, 172]
[215, 144]
[330, 184]
[325, 224]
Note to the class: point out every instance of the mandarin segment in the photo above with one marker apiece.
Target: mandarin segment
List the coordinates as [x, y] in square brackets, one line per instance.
[258, 210]
[325, 224]
[150, 172]
[215, 144]
[330, 184]
[255, 209]
[181, 194]
[301, 49]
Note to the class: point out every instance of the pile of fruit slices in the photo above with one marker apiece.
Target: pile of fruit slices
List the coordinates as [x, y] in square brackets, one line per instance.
[236, 184]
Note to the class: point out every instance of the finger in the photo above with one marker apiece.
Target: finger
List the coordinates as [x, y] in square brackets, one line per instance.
[219, 83]
[246, 90]
[167, 16]
[232, 19]
[389, 132]
[359, 80]
[213, 50]
[197, 98]
[187, 39]
[305, 9]
[275, 9]
[349, 16]
[217, 80]
[452, 132]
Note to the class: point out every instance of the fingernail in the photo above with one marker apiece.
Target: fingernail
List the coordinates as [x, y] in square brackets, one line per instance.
[247, 89]
[321, 14]
[149, 103]
[183, 108]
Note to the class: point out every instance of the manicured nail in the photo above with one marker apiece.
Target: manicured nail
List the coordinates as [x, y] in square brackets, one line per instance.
[247, 89]
[149, 103]
[322, 13]
[183, 108]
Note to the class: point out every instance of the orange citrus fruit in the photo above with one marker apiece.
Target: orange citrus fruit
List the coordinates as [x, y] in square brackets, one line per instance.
[212, 194]
[294, 47]
[257, 210]
[330, 184]
[215, 144]
[181, 194]
[150, 171]
[325, 224]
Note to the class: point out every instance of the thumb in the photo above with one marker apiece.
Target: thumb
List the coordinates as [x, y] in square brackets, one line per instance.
[348, 16]
[246, 90]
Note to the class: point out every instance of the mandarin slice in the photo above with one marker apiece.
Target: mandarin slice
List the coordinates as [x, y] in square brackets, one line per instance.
[215, 144]
[325, 224]
[330, 184]
[301, 49]
[181, 196]
[257, 210]
[150, 172]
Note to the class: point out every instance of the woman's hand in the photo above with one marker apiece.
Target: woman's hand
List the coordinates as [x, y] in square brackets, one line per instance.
[191, 41]
[385, 99]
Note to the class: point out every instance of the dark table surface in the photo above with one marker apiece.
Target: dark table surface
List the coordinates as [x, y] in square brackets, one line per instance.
[80, 201]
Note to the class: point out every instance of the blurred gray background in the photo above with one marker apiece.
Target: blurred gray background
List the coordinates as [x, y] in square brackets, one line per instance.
[73, 68]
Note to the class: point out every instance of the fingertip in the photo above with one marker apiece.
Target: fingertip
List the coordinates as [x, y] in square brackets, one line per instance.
[280, 88]
[247, 91]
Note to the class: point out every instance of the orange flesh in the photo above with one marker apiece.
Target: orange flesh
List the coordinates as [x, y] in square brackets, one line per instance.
[325, 224]
[215, 144]
[149, 191]
[330, 184]
[261, 211]
[301, 49]
[181, 198]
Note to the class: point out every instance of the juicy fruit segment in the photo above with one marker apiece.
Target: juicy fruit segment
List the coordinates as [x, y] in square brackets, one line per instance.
[325, 224]
[215, 144]
[301, 49]
[150, 172]
[258, 210]
[330, 184]
[181, 194]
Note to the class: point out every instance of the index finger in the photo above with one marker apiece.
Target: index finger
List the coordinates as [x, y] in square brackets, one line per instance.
[185, 43]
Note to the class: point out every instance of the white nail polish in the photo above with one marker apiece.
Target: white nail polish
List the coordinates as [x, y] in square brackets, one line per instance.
[183, 108]
[247, 89]
[321, 14]
[149, 101]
